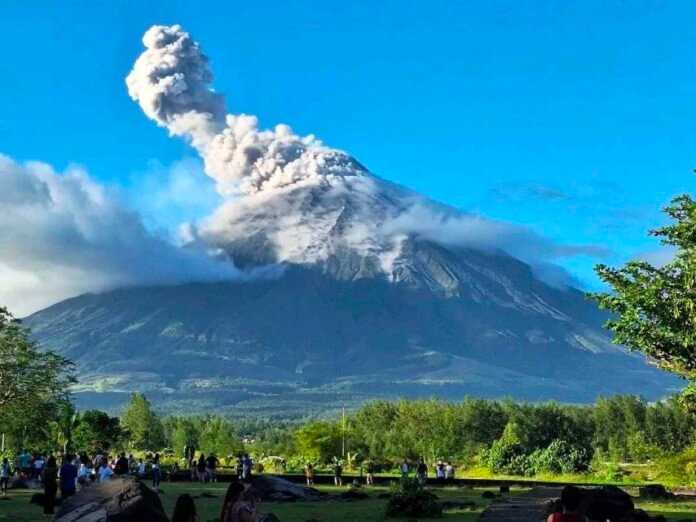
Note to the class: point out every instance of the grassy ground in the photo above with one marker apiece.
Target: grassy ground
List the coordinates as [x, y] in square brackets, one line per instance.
[16, 508]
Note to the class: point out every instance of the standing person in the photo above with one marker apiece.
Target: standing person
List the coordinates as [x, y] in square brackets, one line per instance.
[247, 466]
[105, 471]
[404, 468]
[240, 466]
[309, 473]
[211, 466]
[370, 473]
[38, 466]
[185, 509]
[132, 464]
[142, 468]
[83, 473]
[449, 472]
[193, 470]
[234, 509]
[50, 485]
[122, 465]
[5, 474]
[156, 472]
[25, 463]
[68, 477]
[201, 468]
[338, 474]
[440, 472]
[422, 472]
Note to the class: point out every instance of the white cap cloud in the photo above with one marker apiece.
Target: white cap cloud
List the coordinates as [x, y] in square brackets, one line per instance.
[62, 234]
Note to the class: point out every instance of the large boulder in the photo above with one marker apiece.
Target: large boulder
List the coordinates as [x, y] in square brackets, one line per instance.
[606, 503]
[654, 492]
[121, 499]
[274, 489]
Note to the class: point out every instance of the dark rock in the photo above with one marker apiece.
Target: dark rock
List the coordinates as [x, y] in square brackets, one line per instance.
[267, 517]
[274, 489]
[654, 491]
[638, 515]
[352, 495]
[121, 499]
[607, 502]
[504, 488]
[487, 494]
[466, 504]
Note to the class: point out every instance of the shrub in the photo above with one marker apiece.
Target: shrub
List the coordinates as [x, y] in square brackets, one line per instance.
[410, 500]
[559, 457]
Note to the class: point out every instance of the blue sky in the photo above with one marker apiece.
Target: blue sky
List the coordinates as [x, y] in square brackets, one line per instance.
[574, 118]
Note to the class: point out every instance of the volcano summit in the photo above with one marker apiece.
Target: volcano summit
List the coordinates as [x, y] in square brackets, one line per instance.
[352, 287]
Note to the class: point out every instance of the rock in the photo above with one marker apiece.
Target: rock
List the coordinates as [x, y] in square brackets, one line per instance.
[654, 491]
[607, 502]
[638, 515]
[466, 504]
[267, 517]
[121, 499]
[504, 488]
[487, 494]
[352, 495]
[274, 489]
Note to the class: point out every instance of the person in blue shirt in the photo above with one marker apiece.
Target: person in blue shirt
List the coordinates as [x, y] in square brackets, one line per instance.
[68, 477]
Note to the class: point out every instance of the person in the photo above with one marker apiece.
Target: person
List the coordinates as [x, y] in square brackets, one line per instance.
[156, 472]
[25, 463]
[440, 472]
[309, 473]
[570, 502]
[422, 471]
[132, 464]
[83, 474]
[68, 477]
[370, 473]
[247, 465]
[105, 471]
[5, 474]
[201, 468]
[235, 508]
[193, 470]
[185, 509]
[211, 466]
[338, 474]
[173, 471]
[240, 466]
[50, 477]
[449, 472]
[404, 469]
[142, 468]
[121, 467]
[38, 467]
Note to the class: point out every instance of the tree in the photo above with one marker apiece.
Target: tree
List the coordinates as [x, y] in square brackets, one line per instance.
[34, 384]
[655, 307]
[218, 436]
[319, 440]
[95, 431]
[63, 427]
[144, 428]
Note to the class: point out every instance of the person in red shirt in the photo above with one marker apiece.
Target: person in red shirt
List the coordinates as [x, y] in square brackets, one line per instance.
[570, 500]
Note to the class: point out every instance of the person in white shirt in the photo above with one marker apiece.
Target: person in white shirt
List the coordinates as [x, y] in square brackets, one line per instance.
[404, 468]
[38, 467]
[449, 472]
[105, 473]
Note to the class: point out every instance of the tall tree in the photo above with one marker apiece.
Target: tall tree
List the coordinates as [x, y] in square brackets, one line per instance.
[34, 384]
[655, 306]
[142, 424]
[95, 431]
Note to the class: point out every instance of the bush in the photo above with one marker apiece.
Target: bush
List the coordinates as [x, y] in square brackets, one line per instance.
[501, 455]
[410, 500]
[559, 457]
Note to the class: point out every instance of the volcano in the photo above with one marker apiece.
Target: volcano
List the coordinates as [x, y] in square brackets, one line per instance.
[353, 287]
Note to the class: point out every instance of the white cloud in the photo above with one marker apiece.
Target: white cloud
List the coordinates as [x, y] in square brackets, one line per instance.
[62, 234]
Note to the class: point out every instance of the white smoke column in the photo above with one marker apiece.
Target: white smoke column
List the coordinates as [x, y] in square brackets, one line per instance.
[171, 80]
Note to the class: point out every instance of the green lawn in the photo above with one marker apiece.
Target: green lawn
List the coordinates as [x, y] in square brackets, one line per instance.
[16, 508]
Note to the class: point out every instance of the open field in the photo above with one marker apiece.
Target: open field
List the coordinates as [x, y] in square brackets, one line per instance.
[16, 508]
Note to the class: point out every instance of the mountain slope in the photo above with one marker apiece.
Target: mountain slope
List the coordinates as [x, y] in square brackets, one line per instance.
[457, 322]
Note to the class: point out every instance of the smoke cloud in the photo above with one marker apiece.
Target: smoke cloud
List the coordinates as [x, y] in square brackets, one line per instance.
[171, 80]
[62, 234]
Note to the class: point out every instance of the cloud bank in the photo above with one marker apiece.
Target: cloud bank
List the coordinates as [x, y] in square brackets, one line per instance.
[62, 234]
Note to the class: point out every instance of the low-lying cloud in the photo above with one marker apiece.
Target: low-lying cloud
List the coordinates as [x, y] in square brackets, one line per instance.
[62, 234]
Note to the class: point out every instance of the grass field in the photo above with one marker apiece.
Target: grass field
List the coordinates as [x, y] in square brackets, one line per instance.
[16, 508]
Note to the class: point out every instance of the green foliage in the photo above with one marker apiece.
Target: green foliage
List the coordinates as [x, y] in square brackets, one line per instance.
[655, 307]
[218, 437]
[144, 429]
[411, 500]
[34, 387]
[319, 441]
[95, 431]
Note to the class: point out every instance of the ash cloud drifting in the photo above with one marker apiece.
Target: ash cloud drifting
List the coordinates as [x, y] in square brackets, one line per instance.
[306, 199]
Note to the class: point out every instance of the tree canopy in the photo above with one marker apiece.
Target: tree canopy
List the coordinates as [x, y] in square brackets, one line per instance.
[654, 307]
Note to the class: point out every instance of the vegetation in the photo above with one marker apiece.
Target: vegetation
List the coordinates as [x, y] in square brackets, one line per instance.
[655, 307]
[409, 499]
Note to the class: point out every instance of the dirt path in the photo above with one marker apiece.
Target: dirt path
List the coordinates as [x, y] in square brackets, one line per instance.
[528, 507]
